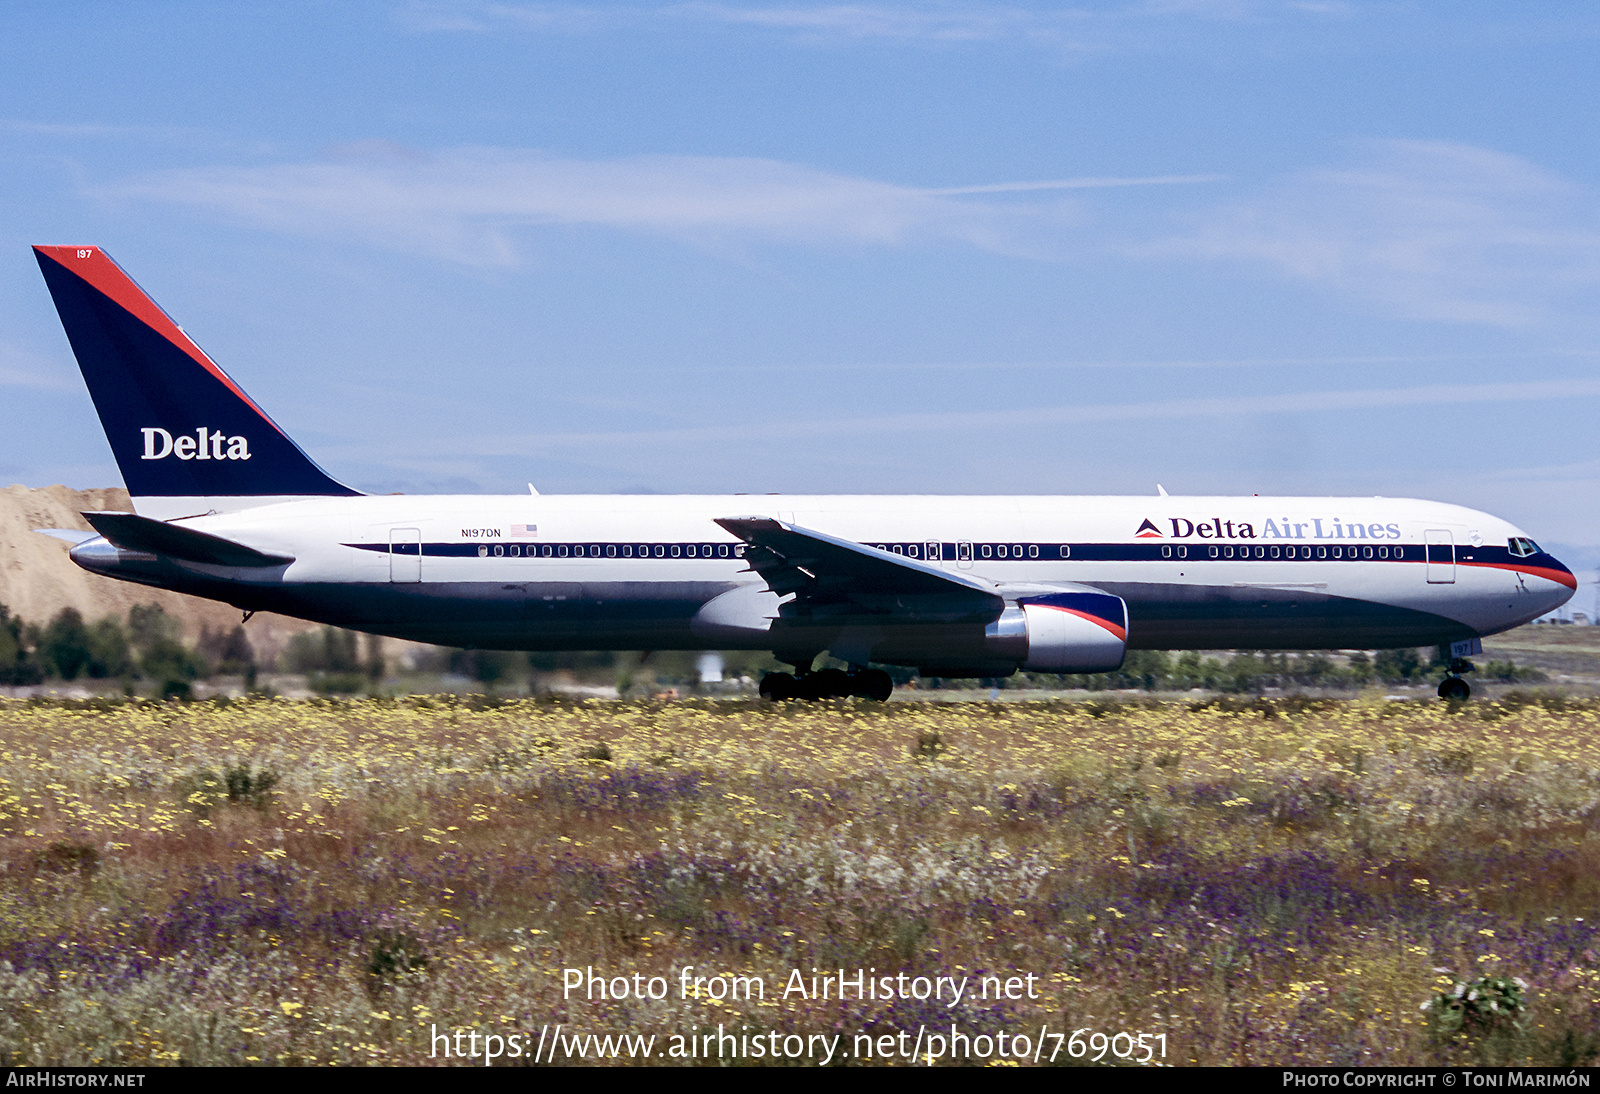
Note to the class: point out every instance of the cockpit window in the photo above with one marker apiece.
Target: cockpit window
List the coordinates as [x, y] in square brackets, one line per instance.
[1522, 547]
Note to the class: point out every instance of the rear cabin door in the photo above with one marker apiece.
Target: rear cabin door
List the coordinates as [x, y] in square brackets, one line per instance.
[405, 554]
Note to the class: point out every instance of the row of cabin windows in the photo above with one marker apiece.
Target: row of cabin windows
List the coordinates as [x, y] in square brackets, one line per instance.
[615, 550]
[1291, 552]
[964, 551]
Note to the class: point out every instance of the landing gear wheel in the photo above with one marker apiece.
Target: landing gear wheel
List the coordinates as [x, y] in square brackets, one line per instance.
[1454, 688]
[874, 684]
[828, 684]
[779, 687]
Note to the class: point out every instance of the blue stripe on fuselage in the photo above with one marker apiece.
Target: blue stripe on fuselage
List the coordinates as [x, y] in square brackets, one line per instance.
[991, 552]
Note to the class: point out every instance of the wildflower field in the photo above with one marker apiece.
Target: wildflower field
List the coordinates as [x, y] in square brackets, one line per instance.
[1268, 882]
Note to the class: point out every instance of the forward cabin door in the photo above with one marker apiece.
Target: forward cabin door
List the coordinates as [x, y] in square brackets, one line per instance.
[1441, 550]
[405, 554]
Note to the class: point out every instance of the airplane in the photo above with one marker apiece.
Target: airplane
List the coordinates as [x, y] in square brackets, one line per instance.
[228, 507]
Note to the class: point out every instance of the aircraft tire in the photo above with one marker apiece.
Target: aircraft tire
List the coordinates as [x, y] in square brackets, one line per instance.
[779, 687]
[1455, 688]
[874, 684]
[831, 684]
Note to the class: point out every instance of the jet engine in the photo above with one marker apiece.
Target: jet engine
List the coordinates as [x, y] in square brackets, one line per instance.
[1081, 631]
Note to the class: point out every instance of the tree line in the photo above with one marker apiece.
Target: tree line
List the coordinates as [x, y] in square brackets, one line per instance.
[147, 646]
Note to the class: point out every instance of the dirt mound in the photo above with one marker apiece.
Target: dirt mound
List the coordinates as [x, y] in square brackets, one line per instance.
[37, 579]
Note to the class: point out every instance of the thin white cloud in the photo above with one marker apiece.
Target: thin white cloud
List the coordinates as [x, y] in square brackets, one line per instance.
[21, 368]
[1090, 183]
[1427, 229]
[1082, 27]
[1119, 364]
[777, 428]
[941, 23]
[27, 127]
[64, 129]
[436, 16]
[467, 204]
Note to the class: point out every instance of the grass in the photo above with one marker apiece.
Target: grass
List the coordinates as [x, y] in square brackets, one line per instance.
[1261, 882]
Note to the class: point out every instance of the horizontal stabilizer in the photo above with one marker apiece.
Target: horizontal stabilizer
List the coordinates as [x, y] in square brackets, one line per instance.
[70, 535]
[136, 533]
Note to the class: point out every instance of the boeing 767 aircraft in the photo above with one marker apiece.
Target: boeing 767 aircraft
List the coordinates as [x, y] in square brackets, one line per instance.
[228, 507]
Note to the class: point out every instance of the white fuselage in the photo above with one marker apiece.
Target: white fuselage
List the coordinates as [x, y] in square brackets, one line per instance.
[585, 571]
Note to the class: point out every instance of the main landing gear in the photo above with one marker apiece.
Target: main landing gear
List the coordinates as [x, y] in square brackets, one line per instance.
[828, 684]
[1452, 687]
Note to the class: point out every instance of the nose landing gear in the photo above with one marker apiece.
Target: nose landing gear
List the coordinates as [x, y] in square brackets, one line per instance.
[1452, 687]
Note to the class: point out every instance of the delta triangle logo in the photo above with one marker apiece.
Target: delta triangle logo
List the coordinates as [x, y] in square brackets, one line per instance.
[1147, 531]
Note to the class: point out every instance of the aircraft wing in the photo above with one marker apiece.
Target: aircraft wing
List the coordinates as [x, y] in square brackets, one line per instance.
[136, 533]
[832, 576]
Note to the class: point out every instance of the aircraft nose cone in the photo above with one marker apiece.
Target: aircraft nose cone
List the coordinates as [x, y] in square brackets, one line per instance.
[1566, 583]
[1559, 573]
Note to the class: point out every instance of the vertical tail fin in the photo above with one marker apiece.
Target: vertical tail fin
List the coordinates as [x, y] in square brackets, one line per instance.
[186, 437]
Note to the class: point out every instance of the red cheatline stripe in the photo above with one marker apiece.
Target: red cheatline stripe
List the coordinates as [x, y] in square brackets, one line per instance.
[96, 269]
[1560, 577]
[1120, 632]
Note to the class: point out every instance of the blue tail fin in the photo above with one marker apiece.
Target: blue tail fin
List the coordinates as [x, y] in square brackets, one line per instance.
[186, 437]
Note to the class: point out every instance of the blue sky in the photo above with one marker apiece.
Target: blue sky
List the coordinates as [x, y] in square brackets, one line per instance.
[1231, 247]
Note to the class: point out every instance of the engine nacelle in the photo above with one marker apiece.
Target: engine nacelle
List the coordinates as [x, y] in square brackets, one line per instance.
[1062, 632]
